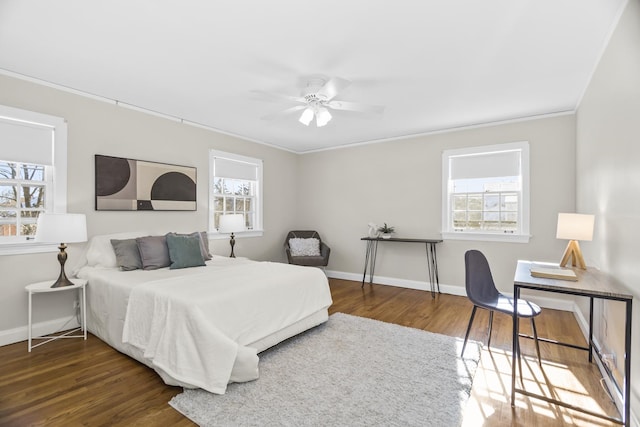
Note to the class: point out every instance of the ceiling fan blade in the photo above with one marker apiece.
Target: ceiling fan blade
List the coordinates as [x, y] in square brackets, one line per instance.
[354, 106]
[332, 87]
[272, 96]
[283, 113]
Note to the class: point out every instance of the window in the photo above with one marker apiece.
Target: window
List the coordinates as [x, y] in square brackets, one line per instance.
[33, 158]
[235, 188]
[485, 193]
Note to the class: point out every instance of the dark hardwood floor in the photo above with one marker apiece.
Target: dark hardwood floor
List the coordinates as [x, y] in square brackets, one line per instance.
[86, 383]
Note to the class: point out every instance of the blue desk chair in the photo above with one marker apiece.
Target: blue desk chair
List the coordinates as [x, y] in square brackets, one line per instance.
[482, 292]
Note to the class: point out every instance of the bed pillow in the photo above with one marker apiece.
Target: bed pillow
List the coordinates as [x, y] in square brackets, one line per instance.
[185, 250]
[154, 252]
[304, 247]
[203, 240]
[204, 237]
[99, 251]
[127, 254]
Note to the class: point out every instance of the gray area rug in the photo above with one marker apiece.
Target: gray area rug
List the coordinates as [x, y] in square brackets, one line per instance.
[350, 371]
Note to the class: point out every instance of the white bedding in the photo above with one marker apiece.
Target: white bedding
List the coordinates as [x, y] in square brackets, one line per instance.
[196, 326]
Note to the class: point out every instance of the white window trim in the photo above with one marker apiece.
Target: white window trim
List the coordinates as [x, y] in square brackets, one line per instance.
[258, 229]
[524, 235]
[59, 185]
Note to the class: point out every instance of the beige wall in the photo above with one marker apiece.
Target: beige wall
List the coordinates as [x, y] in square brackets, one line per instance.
[608, 177]
[400, 183]
[97, 127]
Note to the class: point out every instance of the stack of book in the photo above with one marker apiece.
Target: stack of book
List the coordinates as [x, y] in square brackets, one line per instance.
[554, 273]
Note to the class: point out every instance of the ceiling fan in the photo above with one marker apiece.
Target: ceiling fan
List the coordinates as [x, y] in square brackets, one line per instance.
[317, 98]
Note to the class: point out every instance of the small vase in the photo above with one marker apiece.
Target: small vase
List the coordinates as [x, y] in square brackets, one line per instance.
[386, 235]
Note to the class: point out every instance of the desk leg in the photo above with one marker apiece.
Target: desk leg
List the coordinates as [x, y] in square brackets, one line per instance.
[590, 329]
[514, 347]
[627, 368]
[84, 310]
[431, 268]
[366, 261]
[370, 261]
[30, 311]
[432, 265]
[435, 265]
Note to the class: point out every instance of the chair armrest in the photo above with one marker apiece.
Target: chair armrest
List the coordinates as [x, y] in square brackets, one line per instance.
[325, 250]
[287, 250]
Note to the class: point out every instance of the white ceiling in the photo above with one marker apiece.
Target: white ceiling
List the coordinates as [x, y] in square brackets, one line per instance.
[434, 65]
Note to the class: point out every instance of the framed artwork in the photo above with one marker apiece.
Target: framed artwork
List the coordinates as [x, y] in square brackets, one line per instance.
[136, 185]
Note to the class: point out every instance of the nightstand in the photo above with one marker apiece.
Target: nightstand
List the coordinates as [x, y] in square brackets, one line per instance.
[45, 287]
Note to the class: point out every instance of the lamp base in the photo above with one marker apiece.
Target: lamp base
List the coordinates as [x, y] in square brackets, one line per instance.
[62, 281]
[232, 242]
[62, 278]
[574, 253]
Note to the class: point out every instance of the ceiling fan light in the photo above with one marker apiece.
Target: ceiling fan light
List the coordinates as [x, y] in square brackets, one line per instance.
[322, 117]
[306, 117]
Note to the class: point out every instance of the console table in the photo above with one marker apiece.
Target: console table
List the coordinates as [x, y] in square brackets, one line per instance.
[591, 283]
[432, 260]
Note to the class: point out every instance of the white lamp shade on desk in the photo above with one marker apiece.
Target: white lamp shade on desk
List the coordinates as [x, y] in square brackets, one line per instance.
[574, 227]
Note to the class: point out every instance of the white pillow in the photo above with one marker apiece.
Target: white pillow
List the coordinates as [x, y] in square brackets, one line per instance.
[100, 252]
[304, 247]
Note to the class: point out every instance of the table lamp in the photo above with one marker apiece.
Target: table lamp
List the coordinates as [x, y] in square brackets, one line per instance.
[55, 228]
[574, 227]
[231, 223]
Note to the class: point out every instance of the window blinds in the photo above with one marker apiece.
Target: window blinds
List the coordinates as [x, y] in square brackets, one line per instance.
[26, 143]
[485, 165]
[229, 168]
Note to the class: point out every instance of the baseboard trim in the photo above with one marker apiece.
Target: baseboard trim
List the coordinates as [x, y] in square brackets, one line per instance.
[545, 302]
[21, 333]
[617, 397]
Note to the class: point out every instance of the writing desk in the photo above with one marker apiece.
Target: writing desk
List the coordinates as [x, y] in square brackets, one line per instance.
[432, 260]
[593, 284]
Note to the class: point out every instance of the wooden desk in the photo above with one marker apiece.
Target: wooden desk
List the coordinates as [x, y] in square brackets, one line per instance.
[593, 284]
[432, 260]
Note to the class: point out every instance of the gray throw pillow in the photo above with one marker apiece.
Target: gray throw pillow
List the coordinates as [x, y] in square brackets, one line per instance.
[204, 239]
[184, 251]
[127, 254]
[154, 252]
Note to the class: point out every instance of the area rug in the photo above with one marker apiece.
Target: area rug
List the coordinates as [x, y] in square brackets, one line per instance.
[349, 371]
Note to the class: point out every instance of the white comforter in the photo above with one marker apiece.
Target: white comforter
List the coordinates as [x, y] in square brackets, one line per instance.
[195, 327]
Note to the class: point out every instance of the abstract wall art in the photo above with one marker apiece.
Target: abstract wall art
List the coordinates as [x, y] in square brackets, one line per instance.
[136, 185]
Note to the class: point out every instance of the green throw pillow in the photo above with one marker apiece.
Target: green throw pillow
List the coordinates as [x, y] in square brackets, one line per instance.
[184, 251]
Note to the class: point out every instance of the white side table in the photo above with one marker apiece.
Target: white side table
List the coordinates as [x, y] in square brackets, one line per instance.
[45, 287]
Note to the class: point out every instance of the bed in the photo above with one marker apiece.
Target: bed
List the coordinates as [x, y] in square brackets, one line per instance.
[199, 327]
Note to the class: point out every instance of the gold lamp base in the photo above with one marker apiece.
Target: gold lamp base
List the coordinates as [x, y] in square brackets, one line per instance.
[574, 253]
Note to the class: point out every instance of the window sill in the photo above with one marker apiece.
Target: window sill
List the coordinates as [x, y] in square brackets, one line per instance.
[27, 248]
[214, 235]
[486, 237]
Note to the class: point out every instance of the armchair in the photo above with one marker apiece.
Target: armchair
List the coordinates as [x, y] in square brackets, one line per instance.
[320, 260]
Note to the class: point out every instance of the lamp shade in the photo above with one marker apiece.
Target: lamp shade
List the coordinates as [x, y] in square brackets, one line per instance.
[322, 117]
[307, 116]
[61, 228]
[231, 223]
[572, 226]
